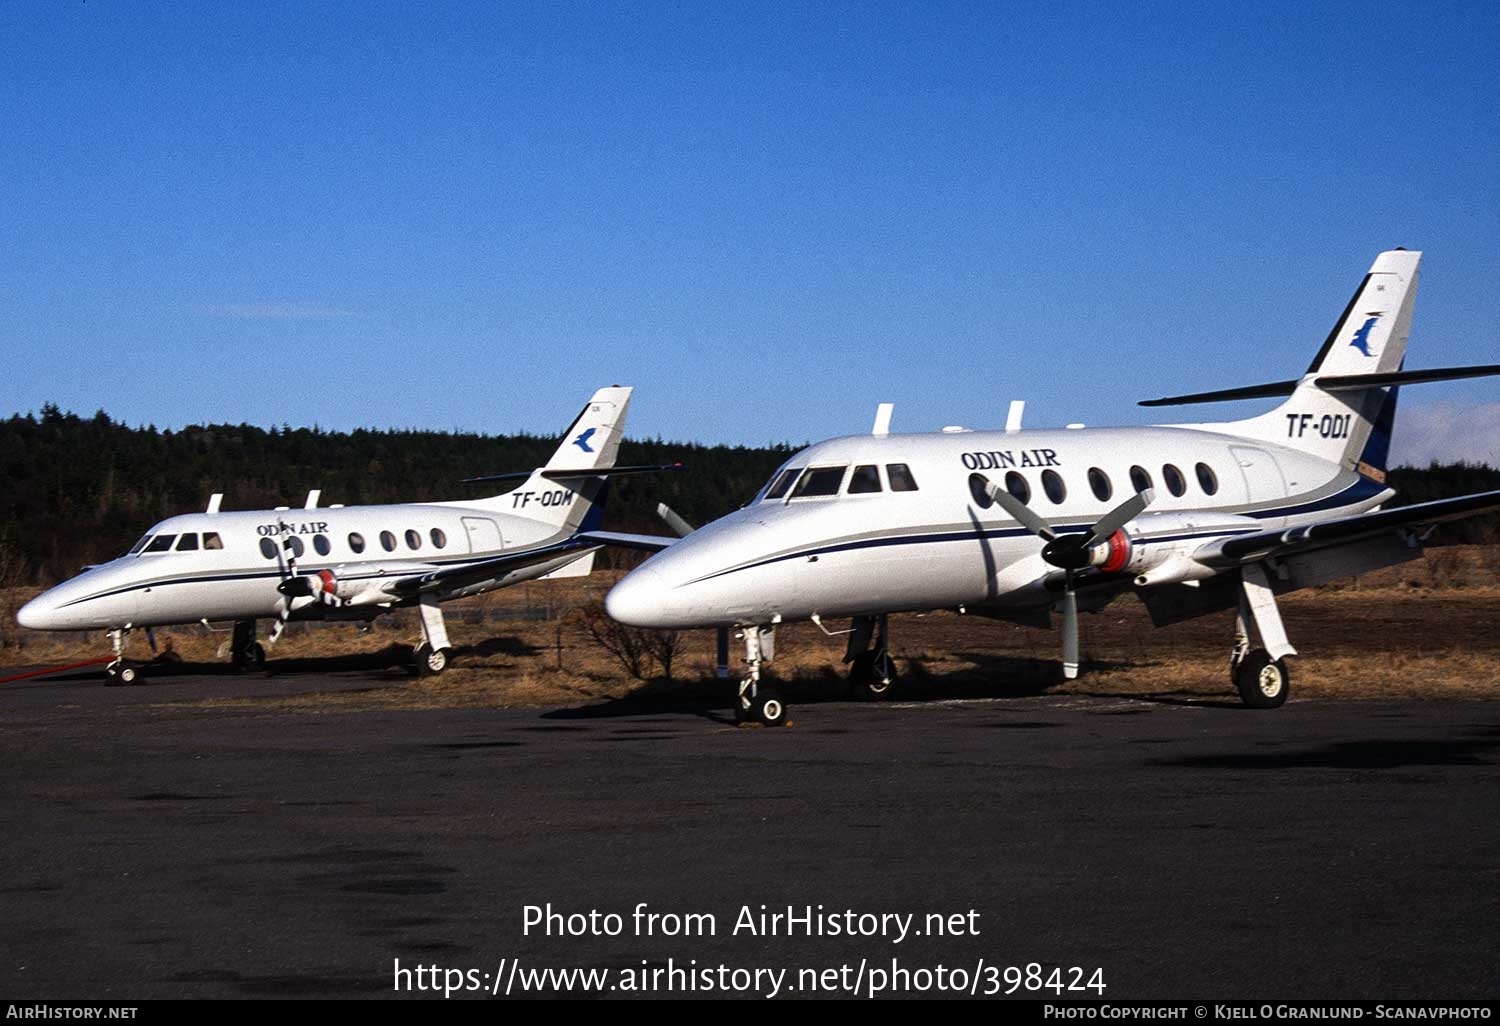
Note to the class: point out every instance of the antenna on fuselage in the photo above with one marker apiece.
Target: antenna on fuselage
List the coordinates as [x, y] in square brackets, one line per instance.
[1013, 418]
[312, 498]
[883, 419]
[213, 502]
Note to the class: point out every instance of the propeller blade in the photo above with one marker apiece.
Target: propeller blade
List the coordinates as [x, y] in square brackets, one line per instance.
[282, 616]
[1070, 631]
[675, 522]
[1120, 516]
[1018, 510]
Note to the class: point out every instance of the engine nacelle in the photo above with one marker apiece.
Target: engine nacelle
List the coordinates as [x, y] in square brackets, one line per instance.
[1157, 548]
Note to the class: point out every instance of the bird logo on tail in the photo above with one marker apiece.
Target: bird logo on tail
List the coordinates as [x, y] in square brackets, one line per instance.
[1361, 339]
[582, 441]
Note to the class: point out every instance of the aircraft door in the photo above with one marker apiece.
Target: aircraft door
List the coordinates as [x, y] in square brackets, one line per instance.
[1263, 478]
[483, 534]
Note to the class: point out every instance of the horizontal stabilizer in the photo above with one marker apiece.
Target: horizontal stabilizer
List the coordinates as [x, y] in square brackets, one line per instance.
[1330, 383]
[573, 475]
[1350, 382]
[644, 542]
[1224, 395]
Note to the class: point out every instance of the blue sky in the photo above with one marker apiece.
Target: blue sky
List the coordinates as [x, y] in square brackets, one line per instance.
[766, 217]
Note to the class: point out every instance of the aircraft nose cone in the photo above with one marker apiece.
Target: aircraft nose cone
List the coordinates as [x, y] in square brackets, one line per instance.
[637, 600]
[36, 614]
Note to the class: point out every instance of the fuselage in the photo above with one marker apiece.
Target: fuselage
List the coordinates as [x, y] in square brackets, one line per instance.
[897, 522]
[222, 566]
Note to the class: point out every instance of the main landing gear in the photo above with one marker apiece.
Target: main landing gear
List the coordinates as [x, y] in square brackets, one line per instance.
[245, 653]
[1260, 675]
[872, 672]
[432, 655]
[757, 702]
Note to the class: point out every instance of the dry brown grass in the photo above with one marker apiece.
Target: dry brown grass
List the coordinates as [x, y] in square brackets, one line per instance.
[1422, 630]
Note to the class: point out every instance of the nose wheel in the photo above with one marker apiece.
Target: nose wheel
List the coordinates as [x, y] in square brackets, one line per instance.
[757, 702]
[120, 671]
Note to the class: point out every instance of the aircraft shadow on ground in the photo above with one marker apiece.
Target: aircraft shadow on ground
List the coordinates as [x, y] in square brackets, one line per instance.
[1370, 754]
[989, 676]
[392, 657]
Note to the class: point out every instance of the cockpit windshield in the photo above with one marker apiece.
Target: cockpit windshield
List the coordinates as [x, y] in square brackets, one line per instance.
[138, 546]
[819, 481]
[781, 482]
[161, 543]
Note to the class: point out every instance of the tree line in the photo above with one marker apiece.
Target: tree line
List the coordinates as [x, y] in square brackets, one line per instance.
[81, 490]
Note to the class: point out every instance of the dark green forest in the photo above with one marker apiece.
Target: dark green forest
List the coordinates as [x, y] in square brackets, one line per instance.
[81, 490]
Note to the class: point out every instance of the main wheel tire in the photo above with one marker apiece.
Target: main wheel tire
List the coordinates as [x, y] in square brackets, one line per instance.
[252, 657]
[769, 707]
[873, 676]
[1263, 682]
[431, 661]
[112, 676]
[130, 675]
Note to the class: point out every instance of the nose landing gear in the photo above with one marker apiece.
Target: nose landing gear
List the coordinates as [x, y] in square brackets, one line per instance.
[757, 702]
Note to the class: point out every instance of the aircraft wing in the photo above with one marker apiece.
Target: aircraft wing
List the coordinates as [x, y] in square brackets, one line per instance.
[462, 574]
[1251, 547]
[647, 542]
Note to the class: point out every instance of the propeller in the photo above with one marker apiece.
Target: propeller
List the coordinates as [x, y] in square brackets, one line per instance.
[1104, 545]
[321, 585]
[682, 529]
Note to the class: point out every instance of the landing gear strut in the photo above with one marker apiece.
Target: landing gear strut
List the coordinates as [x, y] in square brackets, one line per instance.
[872, 672]
[1260, 675]
[757, 702]
[245, 653]
[120, 671]
[431, 657]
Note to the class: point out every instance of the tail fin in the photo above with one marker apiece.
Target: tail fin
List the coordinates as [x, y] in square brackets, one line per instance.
[551, 494]
[1350, 426]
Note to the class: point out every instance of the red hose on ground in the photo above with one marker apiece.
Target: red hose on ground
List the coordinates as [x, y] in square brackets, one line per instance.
[57, 669]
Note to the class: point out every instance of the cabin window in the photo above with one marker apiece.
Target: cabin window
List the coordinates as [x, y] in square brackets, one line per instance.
[1099, 483]
[413, 540]
[439, 539]
[1052, 484]
[388, 541]
[356, 541]
[187, 543]
[320, 543]
[211, 540]
[818, 482]
[1017, 486]
[864, 479]
[295, 544]
[161, 543]
[781, 482]
[138, 546]
[268, 548]
[901, 479]
[1140, 480]
[979, 487]
[1176, 483]
[1207, 478]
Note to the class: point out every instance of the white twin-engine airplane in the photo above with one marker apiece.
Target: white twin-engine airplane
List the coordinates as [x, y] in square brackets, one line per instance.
[1193, 518]
[351, 562]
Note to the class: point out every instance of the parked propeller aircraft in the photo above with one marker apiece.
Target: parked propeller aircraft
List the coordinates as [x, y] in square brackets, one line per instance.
[351, 563]
[1014, 525]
